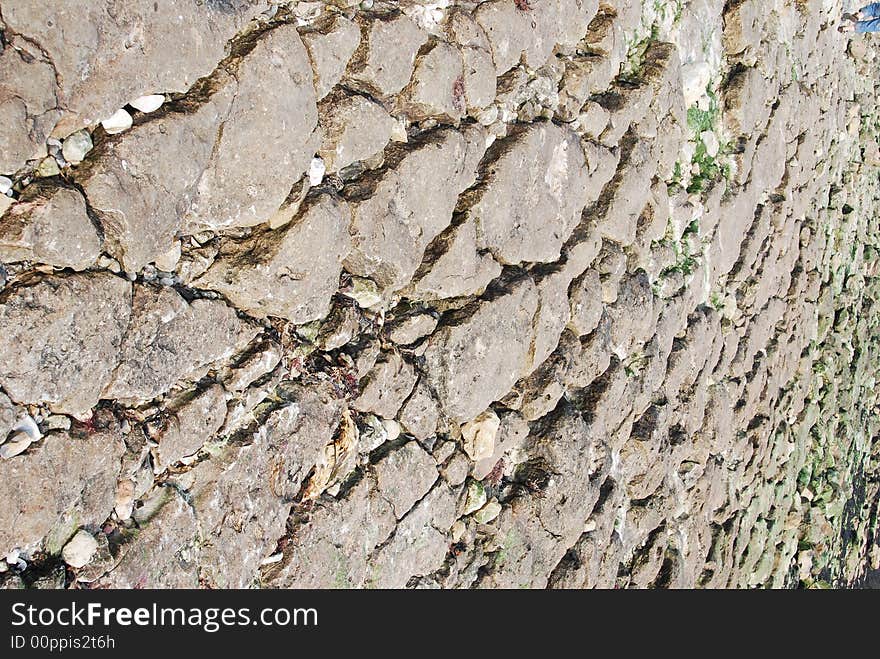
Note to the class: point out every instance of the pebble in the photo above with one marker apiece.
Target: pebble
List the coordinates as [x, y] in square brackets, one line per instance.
[475, 498]
[149, 103]
[710, 141]
[48, 167]
[169, 260]
[79, 551]
[392, 429]
[120, 121]
[364, 292]
[77, 146]
[316, 171]
[479, 436]
[5, 184]
[124, 504]
[488, 512]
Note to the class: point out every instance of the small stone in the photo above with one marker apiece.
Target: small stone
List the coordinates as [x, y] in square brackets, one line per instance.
[48, 167]
[79, 551]
[411, 329]
[488, 512]
[363, 291]
[149, 103]
[76, 147]
[392, 429]
[475, 498]
[478, 436]
[169, 260]
[710, 141]
[124, 504]
[118, 122]
[316, 171]
[457, 530]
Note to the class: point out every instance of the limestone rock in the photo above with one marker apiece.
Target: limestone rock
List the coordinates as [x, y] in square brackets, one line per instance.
[404, 476]
[65, 482]
[532, 194]
[58, 329]
[28, 107]
[384, 62]
[108, 53]
[352, 129]
[49, 225]
[194, 170]
[291, 272]
[476, 360]
[190, 426]
[386, 386]
[330, 48]
[170, 339]
[395, 221]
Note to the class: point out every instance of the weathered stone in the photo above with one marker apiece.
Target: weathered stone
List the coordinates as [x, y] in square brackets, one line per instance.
[396, 220]
[404, 476]
[476, 360]
[437, 90]
[190, 426]
[387, 386]
[459, 269]
[384, 62]
[58, 329]
[49, 225]
[330, 48]
[63, 483]
[276, 273]
[28, 104]
[352, 129]
[108, 53]
[412, 328]
[182, 172]
[420, 413]
[169, 339]
[531, 196]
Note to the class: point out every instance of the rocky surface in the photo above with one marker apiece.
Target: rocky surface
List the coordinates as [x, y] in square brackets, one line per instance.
[457, 294]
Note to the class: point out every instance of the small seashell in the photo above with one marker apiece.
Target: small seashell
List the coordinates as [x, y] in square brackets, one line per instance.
[17, 444]
[29, 427]
[149, 103]
[117, 123]
[274, 558]
[12, 557]
[5, 184]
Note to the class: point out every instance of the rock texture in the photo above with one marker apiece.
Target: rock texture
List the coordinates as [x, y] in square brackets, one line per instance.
[466, 294]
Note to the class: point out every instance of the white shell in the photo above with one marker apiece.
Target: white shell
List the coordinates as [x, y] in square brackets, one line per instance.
[149, 103]
[5, 184]
[18, 444]
[29, 427]
[120, 121]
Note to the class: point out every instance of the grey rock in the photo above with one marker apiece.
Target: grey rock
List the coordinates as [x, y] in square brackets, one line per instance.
[169, 339]
[291, 272]
[64, 482]
[57, 330]
[49, 225]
